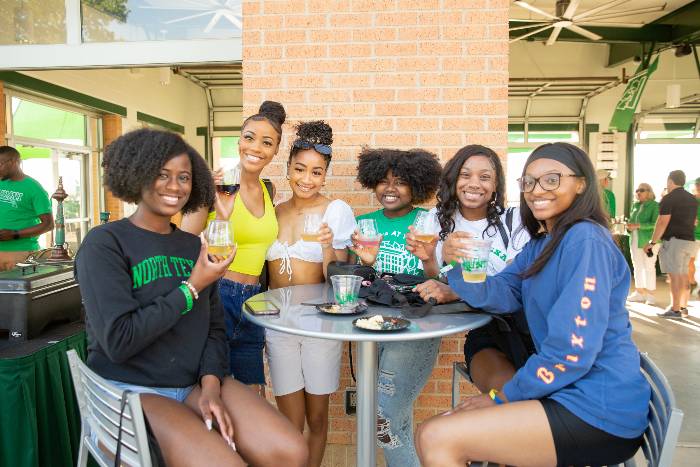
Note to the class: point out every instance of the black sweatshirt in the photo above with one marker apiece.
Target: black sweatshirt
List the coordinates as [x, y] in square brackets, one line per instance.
[129, 280]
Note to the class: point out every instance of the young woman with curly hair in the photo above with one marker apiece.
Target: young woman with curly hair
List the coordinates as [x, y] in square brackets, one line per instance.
[252, 217]
[305, 371]
[400, 180]
[154, 321]
[471, 204]
[580, 399]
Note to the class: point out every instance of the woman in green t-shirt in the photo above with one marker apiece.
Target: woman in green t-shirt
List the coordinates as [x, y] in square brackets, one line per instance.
[640, 226]
[400, 180]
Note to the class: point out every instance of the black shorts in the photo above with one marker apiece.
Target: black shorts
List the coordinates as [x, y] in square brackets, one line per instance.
[578, 443]
[483, 338]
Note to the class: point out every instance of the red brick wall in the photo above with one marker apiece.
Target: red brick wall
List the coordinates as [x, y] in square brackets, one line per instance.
[399, 73]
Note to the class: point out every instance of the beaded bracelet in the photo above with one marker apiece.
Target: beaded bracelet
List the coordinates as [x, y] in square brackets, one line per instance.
[192, 289]
[188, 298]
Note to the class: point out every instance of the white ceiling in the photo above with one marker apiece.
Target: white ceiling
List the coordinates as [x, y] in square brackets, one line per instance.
[519, 13]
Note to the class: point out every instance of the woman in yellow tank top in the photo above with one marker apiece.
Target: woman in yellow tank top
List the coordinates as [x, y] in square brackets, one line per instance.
[252, 216]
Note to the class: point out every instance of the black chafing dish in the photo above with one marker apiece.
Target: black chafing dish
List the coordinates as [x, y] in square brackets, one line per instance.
[32, 296]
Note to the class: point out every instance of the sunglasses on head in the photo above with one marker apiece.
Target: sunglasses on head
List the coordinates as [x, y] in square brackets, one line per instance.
[318, 147]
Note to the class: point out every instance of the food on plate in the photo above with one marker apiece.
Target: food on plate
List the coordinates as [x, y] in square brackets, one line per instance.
[374, 322]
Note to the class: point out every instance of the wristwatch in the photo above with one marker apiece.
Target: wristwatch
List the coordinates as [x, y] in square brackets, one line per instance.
[652, 242]
[15, 235]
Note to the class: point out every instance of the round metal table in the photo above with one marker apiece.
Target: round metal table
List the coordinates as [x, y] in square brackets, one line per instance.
[304, 320]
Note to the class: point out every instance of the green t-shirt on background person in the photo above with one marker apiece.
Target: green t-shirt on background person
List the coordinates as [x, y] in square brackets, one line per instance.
[609, 198]
[21, 204]
[393, 257]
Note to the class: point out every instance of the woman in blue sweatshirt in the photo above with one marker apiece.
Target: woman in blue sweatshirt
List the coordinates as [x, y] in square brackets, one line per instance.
[581, 398]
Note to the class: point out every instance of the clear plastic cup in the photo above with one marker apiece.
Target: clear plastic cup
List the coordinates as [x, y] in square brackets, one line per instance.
[346, 289]
[422, 227]
[312, 226]
[368, 234]
[476, 260]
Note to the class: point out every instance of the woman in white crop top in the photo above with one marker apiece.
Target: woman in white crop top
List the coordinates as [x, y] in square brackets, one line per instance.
[305, 370]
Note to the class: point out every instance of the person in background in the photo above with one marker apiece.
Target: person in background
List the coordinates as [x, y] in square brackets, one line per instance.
[252, 218]
[581, 398]
[471, 204]
[692, 269]
[154, 321]
[25, 210]
[641, 224]
[400, 180]
[305, 371]
[608, 196]
[675, 225]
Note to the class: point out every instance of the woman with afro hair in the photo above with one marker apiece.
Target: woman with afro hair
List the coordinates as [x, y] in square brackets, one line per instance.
[400, 180]
[251, 215]
[305, 371]
[154, 321]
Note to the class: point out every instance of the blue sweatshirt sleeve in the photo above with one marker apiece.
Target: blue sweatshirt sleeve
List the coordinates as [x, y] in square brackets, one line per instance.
[498, 294]
[576, 322]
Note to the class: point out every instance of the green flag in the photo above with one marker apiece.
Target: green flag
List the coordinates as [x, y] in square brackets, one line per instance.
[624, 111]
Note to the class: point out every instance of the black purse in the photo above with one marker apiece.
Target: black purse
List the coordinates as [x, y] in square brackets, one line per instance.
[340, 268]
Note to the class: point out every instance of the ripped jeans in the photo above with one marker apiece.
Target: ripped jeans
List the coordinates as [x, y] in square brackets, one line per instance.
[404, 368]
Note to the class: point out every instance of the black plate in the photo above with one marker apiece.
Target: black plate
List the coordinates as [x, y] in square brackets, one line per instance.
[391, 323]
[328, 309]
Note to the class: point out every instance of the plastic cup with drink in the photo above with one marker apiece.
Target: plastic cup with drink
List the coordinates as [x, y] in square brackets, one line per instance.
[346, 290]
[219, 237]
[312, 227]
[368, 236]
[475, 260]
[422, 227]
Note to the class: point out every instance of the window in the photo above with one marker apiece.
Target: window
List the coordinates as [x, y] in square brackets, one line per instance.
[32, 22]
[225, 151]
[54, 142]
[158, 20]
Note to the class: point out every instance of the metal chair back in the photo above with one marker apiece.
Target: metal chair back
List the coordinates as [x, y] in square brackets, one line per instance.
[100, 405]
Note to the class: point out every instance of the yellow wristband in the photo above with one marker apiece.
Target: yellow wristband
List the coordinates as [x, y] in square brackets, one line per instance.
[493, 393]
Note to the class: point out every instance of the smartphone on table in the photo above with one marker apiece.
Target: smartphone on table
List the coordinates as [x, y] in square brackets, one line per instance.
[262, 307]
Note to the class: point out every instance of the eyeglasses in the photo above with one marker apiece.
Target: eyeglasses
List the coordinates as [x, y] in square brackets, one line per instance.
[640, 190]
[548, 182]
[319, 148]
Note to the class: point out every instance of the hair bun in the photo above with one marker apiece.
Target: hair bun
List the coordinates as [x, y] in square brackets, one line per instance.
[273, 111]
[316, 132]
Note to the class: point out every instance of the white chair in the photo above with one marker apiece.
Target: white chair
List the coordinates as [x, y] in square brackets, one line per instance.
[100, 408]
[665, 417]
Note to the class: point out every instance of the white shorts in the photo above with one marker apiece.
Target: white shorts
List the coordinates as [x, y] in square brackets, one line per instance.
[298, 362]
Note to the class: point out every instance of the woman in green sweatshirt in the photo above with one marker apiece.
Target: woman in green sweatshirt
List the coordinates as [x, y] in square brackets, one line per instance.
[641, 225]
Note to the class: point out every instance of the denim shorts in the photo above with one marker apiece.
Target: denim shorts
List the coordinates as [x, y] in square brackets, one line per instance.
[178, 394]
[245, 339]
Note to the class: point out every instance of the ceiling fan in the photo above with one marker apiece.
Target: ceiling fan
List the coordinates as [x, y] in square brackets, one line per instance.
[565, 17]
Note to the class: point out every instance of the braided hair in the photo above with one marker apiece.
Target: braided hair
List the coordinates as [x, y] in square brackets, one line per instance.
[447, 200]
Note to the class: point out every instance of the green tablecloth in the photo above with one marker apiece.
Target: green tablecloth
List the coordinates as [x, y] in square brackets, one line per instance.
[39, 417]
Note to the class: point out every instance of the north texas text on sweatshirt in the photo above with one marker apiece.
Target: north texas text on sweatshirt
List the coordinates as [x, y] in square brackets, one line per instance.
[575, 307]
[129, 279]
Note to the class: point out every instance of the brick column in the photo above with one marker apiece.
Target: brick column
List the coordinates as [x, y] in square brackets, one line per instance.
[395, 73]
[111, 130]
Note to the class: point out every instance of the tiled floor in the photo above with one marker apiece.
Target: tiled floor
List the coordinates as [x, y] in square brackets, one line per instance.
[673, 345]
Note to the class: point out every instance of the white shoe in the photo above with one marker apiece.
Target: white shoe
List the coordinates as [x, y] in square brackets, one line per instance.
[635, 297]
[651, 300]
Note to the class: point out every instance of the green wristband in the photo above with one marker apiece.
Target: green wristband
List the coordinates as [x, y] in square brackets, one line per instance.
[188, 299]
